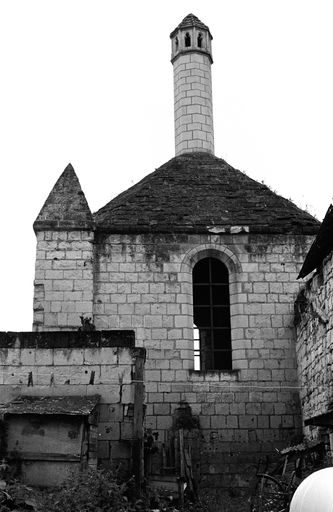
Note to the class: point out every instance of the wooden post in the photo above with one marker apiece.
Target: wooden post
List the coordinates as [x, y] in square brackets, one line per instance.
[182, 467]
[138, 455]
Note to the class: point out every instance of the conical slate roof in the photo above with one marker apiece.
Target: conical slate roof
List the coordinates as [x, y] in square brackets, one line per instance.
[200, 193]
[190, 21]
[66, 206]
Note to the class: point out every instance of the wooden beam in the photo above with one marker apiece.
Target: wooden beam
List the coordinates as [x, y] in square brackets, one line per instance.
[139, 391]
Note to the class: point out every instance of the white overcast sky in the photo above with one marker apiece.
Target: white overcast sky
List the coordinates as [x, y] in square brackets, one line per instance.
[90, 82]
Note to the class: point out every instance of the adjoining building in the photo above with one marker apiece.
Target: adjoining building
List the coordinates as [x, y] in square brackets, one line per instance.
[313, 320]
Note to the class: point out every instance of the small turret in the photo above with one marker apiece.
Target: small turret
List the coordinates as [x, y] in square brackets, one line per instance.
[65, 241]
[66, 206]
[191, 56]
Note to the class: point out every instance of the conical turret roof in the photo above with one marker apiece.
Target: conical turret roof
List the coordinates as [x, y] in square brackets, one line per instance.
[200, 193]
[66, 206]
[190, 21]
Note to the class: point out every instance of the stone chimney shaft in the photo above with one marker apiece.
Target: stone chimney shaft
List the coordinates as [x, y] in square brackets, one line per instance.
[192, 58]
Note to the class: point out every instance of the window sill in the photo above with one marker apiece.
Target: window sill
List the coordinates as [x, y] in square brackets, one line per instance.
[214, 375]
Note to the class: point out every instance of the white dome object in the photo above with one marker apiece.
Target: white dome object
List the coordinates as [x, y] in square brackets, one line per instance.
[315, 493]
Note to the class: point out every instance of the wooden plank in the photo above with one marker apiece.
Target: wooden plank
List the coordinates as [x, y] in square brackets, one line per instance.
[182, 467]
[66, 457]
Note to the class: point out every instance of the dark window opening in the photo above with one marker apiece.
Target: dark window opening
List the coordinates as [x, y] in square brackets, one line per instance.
[199, 40]
[211, 312]
[177, 43]
[187, 39]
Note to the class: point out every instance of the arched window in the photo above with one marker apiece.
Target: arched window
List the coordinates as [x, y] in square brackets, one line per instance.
[211, 312]
[200, 40]
[187, 39]
[176, 43]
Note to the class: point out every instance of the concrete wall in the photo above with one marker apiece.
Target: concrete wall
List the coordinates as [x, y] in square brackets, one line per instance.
[78, 363]
[314, 308]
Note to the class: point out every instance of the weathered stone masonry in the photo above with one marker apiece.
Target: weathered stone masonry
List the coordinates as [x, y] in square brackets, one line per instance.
[129, 266]
[81, 364]
[63, 279]
[145, 282]
[314, 309]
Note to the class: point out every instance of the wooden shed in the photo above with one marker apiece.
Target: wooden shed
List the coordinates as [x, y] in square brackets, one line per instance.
[51, 437]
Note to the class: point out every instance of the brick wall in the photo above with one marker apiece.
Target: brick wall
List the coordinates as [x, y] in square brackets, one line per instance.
[72, 363]
[63, 286]
[314, 309]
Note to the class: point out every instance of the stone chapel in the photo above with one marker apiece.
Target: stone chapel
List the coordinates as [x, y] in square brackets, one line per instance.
[201, 262]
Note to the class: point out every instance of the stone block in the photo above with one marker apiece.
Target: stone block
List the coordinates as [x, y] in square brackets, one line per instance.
[103, 449]
[108, 431]
[164, 422]
[127, 431]
[120, 450]
[168, 375]
[111, 412]
[27, 357]
[68, 356]
[110, 393]
[162, 409]
[232, 421]
[44, 357]
[247, 421]
[127, 393]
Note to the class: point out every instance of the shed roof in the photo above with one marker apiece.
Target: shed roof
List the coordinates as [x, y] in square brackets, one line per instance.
[321, 247]
[49, 405]
[200, 193]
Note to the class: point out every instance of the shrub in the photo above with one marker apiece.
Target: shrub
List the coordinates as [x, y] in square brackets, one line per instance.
[97, 491]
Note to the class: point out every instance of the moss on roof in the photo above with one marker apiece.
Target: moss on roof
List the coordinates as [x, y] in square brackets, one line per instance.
[66, 206]
[198, 192]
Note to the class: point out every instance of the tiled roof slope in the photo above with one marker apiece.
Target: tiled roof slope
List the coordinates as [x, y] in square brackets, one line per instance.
[200, 193]
[66, 207]
[190, 21]
[321, 247]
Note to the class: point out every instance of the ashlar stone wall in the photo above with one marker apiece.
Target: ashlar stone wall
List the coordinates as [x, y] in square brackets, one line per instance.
[314, 308]
[193, 103]
[63, 279]
[85, 364]
[145, 283]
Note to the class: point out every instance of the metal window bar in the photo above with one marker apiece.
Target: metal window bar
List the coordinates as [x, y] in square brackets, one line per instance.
[211, 310]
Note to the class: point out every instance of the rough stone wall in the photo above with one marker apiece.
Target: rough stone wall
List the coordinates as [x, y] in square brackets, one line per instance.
[193, 103]
[145, 283]
[62, 364]
[314, 308]
[63, 286]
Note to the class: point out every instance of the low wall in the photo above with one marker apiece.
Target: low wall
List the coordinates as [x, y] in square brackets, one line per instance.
[103, 363]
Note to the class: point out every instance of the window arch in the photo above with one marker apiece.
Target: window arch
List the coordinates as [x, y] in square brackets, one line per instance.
[200, 40]
[187, 39]
[211, 313]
